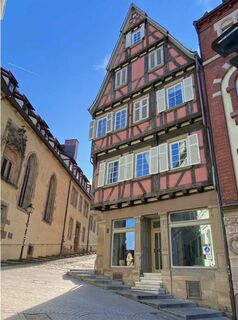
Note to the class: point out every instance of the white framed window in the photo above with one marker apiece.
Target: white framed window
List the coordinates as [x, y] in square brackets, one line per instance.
[184, 152]
[121, 77]
[134, 37]
[142, 167]
[173, 96]
[156, 58]
[179, 154]
[120, 119]
[112, 172]
[123, 243]
[191, 239]
[101, 127]
[141, 109]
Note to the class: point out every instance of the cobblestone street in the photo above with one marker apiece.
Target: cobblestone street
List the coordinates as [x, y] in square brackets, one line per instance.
[43, 292]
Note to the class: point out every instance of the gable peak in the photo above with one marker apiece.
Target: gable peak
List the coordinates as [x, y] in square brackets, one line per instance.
[134, 16]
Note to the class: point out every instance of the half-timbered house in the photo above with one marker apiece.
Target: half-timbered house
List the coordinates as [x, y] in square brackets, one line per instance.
[153, 177]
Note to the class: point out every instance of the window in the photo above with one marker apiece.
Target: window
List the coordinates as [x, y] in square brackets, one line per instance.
[226, 24]
[101, 127]
[141, 109]
[49, 208]
[142, 164]
[185, 152]
[191, 239]
[11, 87]
[85, 208]
[83, 234]
[80, 203]
[156, 58]
[120, 119]
[175, 96]
[112, 172]
[94, 226]
[178, 154]
[28, 183]
[169, 98]
[123, 242]
[70, 229]
[74, 197]
[6, 168]
[121, 77]
[134, 37]
[3, 219]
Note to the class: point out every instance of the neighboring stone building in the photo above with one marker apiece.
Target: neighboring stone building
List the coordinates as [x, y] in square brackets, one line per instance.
[36, 170]
[153, 183]
[221, 82]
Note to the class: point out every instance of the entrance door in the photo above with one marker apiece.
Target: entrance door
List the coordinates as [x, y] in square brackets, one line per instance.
[156, 247]
[76, 236]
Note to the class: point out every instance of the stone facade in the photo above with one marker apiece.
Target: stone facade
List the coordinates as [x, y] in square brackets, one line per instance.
[36, 170]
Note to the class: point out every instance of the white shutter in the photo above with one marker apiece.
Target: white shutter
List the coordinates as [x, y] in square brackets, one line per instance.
[122, 168]
[154, 160]
[163, 157]
[92, 129]
[188, 89]
[117, 79]
[124, 76]
[144, 108]
[128, 39]
[151, 60]
[129, 166]
[109, 122]
[160, 56]
[160, 99]
[136, 111]
[193, 147]
[101, 175]
[142, 30]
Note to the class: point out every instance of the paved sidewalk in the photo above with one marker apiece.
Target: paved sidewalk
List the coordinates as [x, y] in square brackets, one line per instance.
[42, 292]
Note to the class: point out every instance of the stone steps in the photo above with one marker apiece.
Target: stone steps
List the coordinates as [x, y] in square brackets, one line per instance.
[195, 313]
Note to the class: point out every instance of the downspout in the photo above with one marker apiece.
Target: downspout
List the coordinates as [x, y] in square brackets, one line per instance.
[89, 218]
[217, 188]
[65, 217]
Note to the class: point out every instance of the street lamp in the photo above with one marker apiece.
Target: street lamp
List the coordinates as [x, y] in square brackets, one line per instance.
[29, 210]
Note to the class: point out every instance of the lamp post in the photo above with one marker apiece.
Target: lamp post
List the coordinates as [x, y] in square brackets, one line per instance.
[29, 210]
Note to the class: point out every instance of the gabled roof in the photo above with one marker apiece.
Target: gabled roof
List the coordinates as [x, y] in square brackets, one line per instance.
[125, 27]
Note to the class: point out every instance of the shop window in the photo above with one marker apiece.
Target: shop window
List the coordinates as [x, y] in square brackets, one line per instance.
[123, 242]
[191, 239]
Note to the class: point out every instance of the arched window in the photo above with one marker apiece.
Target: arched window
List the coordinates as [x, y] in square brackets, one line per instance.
[29, 182]
[49, 207]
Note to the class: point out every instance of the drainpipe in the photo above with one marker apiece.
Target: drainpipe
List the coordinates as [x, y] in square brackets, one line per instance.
[217, 188]
[65, 217]
[89, 218]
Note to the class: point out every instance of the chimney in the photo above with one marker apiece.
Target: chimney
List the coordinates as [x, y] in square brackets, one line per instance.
[71, 148]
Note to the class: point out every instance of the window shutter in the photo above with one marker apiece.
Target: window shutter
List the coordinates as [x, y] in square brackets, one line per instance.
[124, 76]
[128, 39]
[129, 166]
[101, 175]
[109, 121]
[188, 89]
[160, 56]
[160, 99]
[122, 168]
[92, 129]
[142, 30]
[163, 157]
[154, 161]
[136, 111]
[193, 147]
[118, 79]
[144, 109]
[151, 60]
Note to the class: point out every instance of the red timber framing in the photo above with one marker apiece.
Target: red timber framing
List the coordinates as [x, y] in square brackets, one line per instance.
[173, 67]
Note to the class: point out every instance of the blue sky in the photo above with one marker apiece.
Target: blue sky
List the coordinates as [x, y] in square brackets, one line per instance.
[58, 50]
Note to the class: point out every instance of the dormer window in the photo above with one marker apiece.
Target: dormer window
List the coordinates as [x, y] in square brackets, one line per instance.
[11, 87]
[134, 37]
[121, 77]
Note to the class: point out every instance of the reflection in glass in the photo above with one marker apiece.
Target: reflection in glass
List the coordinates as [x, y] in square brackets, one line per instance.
[190, 215]
[123, 249]
[192, 246]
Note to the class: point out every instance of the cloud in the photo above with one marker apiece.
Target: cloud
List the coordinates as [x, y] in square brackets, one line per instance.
[103, 64]
[23, 69]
